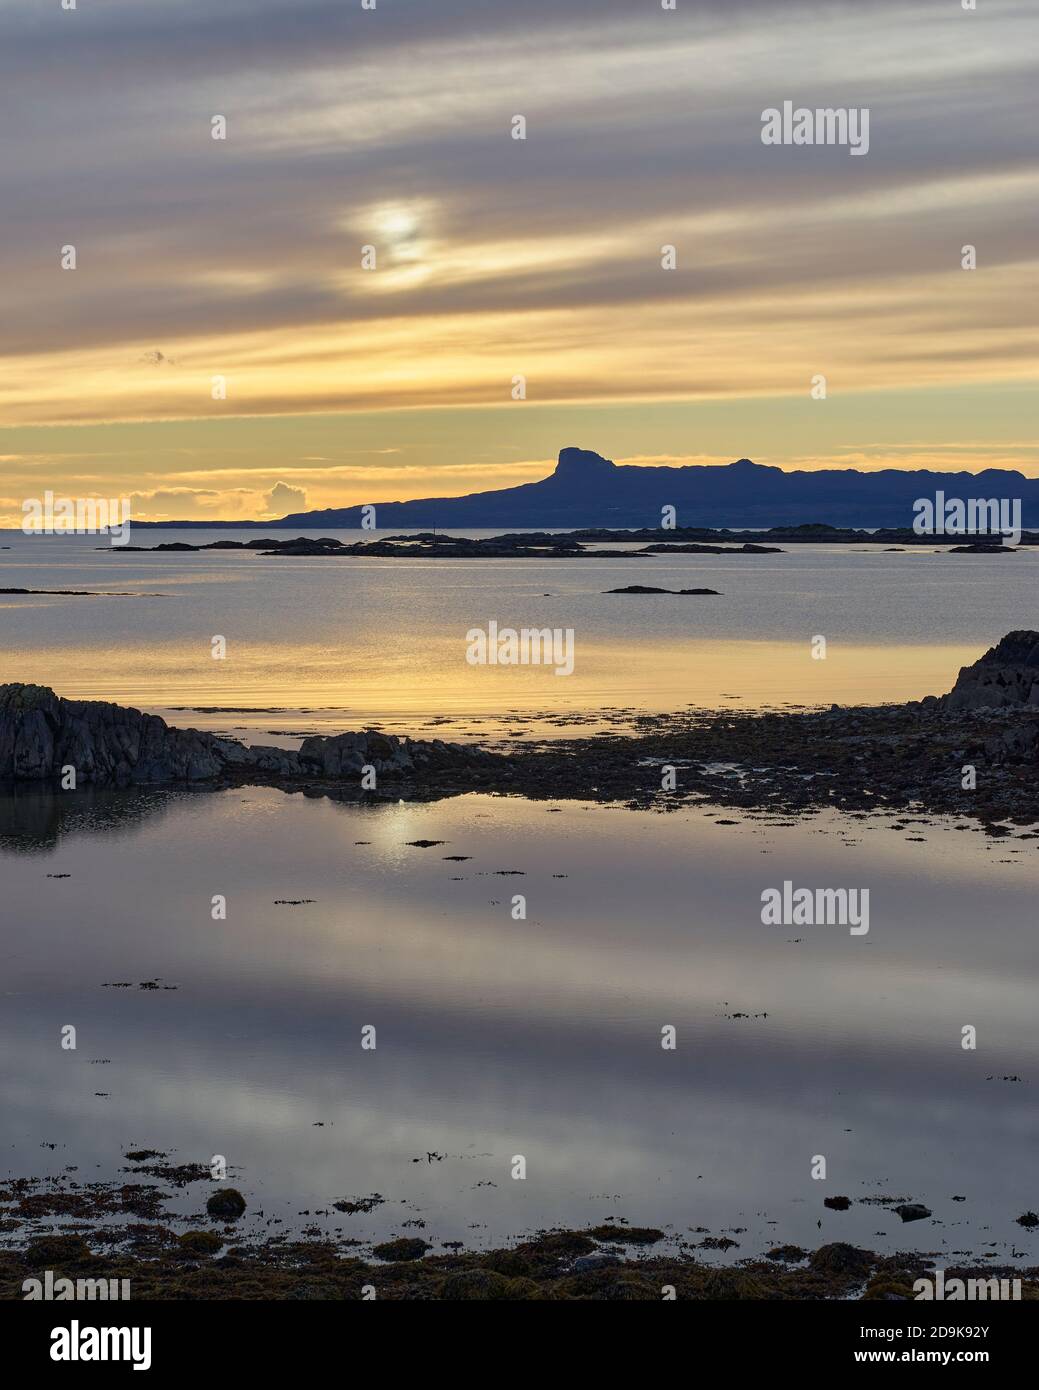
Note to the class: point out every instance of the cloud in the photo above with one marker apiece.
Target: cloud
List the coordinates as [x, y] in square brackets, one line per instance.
[499, 257]
[640, 133]
[193, 504]
[282, 499]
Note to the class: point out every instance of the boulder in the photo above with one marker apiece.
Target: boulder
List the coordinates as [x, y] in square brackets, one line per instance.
[349, 753]
[912, 1211]
[842, 1259]
[226, 1204]
[403, 1248]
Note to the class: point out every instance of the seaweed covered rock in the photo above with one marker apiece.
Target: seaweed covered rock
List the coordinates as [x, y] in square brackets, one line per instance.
[913, 1211]
[627, 1235]
[199, 1242]
[842, 1259]
[485, 1286]
[632, 1288]
[887, 1287]
[557, 1245]
[731, 1284]
[403, 1248]
[226, 1204]
[56, 1252]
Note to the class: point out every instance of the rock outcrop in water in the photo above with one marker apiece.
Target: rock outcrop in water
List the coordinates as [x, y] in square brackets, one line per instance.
[1006, 677]
[41, 733]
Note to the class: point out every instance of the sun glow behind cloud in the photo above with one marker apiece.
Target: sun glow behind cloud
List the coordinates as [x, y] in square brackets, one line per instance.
[243, 258]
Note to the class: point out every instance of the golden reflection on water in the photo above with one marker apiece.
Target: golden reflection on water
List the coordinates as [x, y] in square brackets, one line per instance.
[325, 682]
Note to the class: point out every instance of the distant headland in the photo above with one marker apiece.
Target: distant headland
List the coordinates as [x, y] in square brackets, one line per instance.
[587, 490]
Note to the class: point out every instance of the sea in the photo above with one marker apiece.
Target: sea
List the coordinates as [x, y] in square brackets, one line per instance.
[556, 1013]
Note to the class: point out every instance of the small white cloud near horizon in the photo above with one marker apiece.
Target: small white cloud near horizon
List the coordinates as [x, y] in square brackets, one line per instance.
[283, 498]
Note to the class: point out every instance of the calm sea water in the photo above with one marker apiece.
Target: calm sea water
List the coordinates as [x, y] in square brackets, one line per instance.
[498, 1037]
[317, 644]
[540, 1038]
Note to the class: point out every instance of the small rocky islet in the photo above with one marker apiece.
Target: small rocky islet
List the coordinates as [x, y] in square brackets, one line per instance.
[426, 545]
[650, 589]
[590, 543]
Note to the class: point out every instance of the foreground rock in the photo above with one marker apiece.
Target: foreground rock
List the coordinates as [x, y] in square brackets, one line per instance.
[913, 1211]
[80, 1229]
[42, 734]
[549, 1266]
[227, 1204]
[1007, 676]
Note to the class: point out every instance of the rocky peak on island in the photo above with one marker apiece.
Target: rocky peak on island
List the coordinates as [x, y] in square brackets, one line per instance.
[575, 465]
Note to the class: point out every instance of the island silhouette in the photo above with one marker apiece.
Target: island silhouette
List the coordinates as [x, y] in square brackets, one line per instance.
[586, 489]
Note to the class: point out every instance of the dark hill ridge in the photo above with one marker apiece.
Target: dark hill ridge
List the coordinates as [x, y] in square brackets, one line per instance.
[588, 490]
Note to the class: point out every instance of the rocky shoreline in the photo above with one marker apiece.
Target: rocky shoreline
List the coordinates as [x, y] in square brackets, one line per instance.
[610, 1262]
[319, 1270]
[973, 753]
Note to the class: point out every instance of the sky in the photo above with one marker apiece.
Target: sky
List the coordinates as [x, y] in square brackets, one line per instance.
[220, 349]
